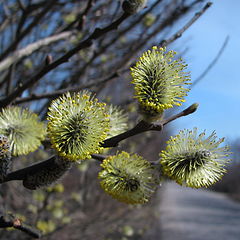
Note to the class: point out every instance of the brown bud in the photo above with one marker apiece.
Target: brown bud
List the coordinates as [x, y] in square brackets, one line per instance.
[49, 59]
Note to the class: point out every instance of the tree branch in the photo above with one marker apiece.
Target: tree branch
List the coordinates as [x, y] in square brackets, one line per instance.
[11, 221]
[210, 66]
[80, 18]
[179, 33]
[84, 44]
[141, 127]
[62, 91]
[185, 112]
[28, 29]
[28, 50]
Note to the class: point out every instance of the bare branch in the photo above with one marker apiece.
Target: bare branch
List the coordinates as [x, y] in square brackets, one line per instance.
[84, 44]
[22, 173]
[80, 19]
[62, 91]
[143, 126]
[28, 50]
[211, 65]
[185, 112]
[179, 33]
[9, 220]
[99, 157]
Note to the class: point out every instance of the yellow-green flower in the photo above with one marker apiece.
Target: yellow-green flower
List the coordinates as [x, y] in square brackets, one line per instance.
[23, 129]
[133, 6]
[77, 125]
[159, 82]
[128, 178]
[118, 120]
[5, 156]
[194, 160]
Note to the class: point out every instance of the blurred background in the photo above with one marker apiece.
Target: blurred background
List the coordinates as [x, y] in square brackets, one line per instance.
[77, 208]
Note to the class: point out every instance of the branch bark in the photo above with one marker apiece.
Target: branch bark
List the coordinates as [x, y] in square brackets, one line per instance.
[179, 33]
[84, 44]
[28, 50]
[10, 220]
[28, 29]
[62, 91]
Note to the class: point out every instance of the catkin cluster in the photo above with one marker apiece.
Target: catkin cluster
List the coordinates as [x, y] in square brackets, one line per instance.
[78, 124]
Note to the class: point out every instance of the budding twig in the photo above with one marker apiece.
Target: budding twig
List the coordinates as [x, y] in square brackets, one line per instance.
[9, 220]
[141, 127]
[179, 33]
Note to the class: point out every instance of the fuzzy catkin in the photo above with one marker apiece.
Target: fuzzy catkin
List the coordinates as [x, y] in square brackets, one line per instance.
[194, 160]
[23, 129]
[47, 176]
[159, 82]
[5, 156]
[129, 178]
[133, 6]
[77, 126]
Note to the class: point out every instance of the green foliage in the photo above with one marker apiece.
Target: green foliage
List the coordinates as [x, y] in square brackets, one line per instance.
[58, 188]
[70, 18]
[128, 231]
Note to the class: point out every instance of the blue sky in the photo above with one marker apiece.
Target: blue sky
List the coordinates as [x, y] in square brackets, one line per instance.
[219, 92]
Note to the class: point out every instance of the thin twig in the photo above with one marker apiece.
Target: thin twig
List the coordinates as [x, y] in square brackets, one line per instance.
[99, 157]
[84, 44]
[9, 220]
[28, 29]
[110, 43]
[57, 93]
[80, 19]
[28, 50]
[185, 112]
[179, 33]
[211, 65]
[141, 127]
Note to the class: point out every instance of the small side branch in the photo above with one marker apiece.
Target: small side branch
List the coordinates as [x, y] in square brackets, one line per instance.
[143, 126]
[80, 19]
[179, 33]
[211, 65]
[11, 221]
[56, 93]
[28, 50]
[185, 112]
